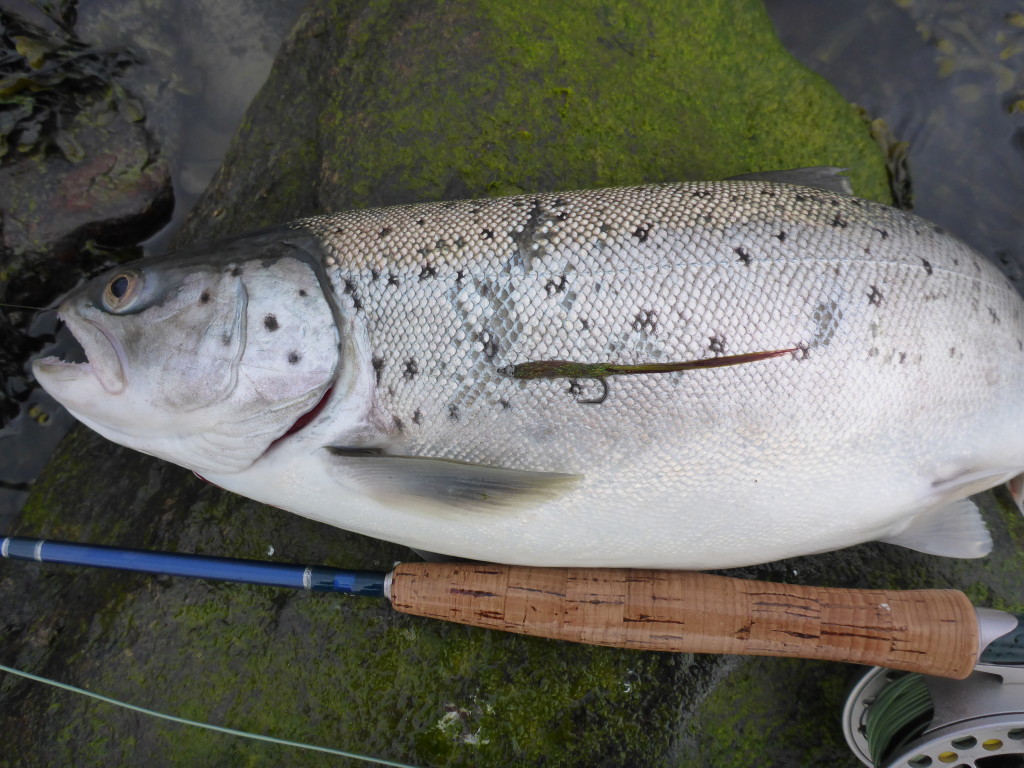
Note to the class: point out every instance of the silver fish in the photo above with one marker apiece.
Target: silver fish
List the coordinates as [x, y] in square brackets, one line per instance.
[694, 375]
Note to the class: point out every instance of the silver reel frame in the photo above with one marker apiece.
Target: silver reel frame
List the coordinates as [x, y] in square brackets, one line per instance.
[976, 718]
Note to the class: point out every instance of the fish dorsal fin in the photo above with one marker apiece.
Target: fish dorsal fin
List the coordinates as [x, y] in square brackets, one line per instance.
[953, 530]
[821, 177]
[443, 487]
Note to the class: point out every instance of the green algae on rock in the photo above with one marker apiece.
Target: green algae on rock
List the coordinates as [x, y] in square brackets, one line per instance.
[380, 102]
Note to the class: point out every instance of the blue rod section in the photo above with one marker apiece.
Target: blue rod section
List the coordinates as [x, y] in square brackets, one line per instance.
[313, 577]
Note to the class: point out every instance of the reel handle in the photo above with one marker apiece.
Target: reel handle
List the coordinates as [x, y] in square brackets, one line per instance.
[934, 632]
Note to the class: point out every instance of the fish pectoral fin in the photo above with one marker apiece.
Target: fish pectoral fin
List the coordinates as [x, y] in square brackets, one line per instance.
[821, 177]
[444, 487]
[953, 530]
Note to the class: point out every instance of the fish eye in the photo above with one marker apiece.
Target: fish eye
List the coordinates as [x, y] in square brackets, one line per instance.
[121, 291]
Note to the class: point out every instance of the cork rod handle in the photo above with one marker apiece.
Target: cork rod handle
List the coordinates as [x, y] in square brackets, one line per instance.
[930, 631]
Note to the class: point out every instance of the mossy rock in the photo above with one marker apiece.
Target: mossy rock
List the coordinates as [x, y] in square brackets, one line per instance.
[380, 102]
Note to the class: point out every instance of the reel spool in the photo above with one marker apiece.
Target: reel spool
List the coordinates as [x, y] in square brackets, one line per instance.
[908, 720]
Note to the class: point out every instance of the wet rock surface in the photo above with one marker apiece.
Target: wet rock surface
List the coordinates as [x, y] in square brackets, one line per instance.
[390, 102]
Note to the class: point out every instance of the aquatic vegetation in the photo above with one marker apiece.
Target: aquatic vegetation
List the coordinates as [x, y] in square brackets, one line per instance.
[980, 39]
[48, 77]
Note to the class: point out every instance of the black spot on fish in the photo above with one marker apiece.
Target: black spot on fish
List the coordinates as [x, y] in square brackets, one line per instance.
[411, 368]
[952, 351]
[605, 228]
[518, 203]
[270, 323]
[839, 221]
[927, 265]
[575, 388]
[701, 193]
[428, 271]
[559, 202]
[938, 230]
[399, 424]
[802, 351]
[421, 222]
[384, 233]
[225, 339]
[717, 344]
[525, 235]
[553, 286]
[995, 317]
[800, 198]
[293, 357]
[204, 297]
[350, 290]
[236, 271]
[378, 367]
[873, 352]
[903, 357]
[490, 345]
[488, 234]
[641, 232]
[781, 236]
[460, 276]
[460, 242]
[562, 216]
[505, 404]
[453, 412]
[875, 297]
[302, 293]
[645, 321]
[767, 192]
[392, 279]
[374, 275]
[744, 256]
[883, 233]
[417, 416]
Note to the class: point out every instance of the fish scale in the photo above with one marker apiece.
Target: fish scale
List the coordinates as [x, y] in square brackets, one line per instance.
[897, 397]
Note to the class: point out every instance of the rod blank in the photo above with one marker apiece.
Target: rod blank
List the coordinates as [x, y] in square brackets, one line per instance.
[316, 578]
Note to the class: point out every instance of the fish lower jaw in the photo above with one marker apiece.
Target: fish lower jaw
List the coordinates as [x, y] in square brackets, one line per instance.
[57, 370]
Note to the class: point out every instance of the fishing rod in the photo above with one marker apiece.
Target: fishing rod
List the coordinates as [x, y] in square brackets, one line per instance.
[935, 632]
[932, 634]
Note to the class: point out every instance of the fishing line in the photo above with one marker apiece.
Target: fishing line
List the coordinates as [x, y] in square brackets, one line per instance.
[26, 306]
[198, 724]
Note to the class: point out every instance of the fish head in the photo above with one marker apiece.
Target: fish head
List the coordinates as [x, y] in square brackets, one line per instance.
[202, 357]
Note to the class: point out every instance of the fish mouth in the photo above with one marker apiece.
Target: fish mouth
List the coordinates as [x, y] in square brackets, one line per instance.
[103, 353]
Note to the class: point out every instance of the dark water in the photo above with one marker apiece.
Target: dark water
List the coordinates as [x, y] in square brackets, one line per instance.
[945, 75]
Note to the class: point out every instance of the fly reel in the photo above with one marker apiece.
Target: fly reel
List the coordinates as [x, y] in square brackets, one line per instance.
[908, 720]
